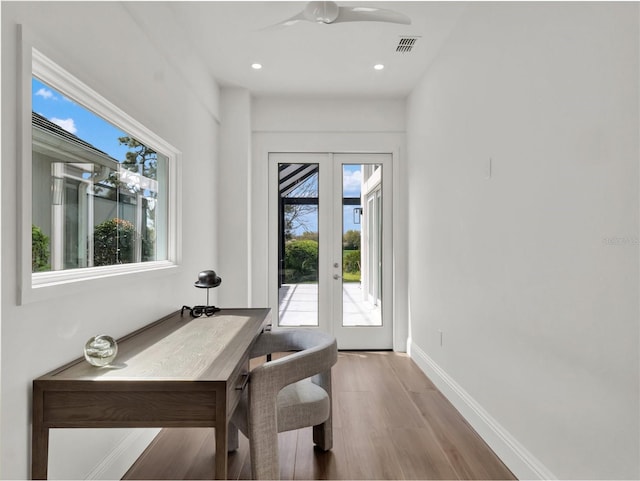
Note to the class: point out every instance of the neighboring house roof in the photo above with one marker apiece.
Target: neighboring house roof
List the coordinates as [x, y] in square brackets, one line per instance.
[38, 120]
[70, 140]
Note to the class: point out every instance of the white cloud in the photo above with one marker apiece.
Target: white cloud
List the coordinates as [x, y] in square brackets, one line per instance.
[67, 124]
[351, 182]
[45, 94]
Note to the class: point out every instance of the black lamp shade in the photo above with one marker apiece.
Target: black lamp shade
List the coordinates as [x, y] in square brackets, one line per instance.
[207, 279]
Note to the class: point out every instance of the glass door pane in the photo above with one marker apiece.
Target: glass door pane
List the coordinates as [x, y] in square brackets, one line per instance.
[298, 244]
[360, 245]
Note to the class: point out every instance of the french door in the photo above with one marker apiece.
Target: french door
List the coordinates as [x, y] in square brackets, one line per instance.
[330, 245]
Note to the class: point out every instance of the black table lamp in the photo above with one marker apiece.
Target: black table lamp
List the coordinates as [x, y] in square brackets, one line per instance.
[206, 280]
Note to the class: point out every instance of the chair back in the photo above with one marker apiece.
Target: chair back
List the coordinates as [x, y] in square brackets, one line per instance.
[315, 353]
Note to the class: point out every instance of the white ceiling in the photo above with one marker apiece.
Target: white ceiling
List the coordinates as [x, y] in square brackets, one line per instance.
[309, 58]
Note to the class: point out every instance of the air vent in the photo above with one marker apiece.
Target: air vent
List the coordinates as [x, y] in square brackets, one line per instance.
[406, 44]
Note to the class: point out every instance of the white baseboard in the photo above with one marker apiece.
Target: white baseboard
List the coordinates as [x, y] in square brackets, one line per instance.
[118, 461]
[521, 462]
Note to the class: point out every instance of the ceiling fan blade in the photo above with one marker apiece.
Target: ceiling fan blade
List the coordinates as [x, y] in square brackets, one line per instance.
[286, 23]
[371, 14]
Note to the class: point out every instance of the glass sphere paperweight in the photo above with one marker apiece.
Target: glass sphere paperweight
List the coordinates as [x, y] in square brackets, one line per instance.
[100, 350]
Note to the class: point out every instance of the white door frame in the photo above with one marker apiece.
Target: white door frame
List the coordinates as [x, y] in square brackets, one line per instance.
[330, 288]
[325, 141]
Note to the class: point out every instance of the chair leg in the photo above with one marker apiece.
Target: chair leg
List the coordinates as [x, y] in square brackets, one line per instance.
[323, 435]
[265, 459]
[232, 443]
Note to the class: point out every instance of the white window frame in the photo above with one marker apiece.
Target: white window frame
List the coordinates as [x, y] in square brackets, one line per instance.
[45, 285]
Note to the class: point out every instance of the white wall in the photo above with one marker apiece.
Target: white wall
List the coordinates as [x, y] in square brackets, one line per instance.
[234, 197]
[101, 44]
[289, 124]
[334, 115]
[531, 275]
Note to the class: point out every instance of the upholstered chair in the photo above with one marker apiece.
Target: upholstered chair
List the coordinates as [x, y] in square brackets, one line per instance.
[283, 394]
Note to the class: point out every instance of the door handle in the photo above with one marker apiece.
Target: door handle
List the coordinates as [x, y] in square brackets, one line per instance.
[336, 276]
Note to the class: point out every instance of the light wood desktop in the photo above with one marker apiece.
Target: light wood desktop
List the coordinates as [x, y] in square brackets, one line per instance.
[177, 372]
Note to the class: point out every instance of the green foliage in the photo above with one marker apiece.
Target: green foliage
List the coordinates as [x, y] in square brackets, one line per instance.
[114, 242]
[351, 276]
[301, 260]
[351, 240]
[149, 245]
[39, 250]
[140, 158]
[306, 235]
[351, 261]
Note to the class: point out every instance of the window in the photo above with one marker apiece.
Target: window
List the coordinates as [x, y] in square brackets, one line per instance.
[92, 206]
[100, 187]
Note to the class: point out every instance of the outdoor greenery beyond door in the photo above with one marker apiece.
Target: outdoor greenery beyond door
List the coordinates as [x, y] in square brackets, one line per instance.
[301, 257]
[351, 256]
[301, 261]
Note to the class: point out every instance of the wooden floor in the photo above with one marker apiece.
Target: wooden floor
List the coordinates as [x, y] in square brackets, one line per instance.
[390, 422]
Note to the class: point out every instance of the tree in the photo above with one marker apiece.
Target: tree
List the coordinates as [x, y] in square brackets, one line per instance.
[114, 242]
[140, 158]
[301, 261]
[306, 235]
[351, 261]
[143, 161]
[296, 216]
[39, 250]
[351, 240]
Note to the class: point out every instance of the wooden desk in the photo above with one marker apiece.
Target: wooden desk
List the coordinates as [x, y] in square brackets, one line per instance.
[176, 372]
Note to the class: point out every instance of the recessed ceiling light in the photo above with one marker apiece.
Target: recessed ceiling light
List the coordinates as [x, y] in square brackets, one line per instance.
[256, 66]
[378, 66]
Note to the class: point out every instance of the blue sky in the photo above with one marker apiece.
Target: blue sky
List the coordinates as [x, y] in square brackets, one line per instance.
[351, 183]
[77, 120]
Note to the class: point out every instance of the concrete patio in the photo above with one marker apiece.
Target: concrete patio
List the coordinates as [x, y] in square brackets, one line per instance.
[298, 306]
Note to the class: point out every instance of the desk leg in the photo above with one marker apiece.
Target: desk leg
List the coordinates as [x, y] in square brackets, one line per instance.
[222, 433]
[40, 438]
[221, 451]
[39, 453]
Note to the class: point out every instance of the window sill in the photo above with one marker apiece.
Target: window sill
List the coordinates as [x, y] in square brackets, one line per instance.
[49, 285]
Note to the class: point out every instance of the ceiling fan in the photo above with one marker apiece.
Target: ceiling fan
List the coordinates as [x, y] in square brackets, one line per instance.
[331, 12]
